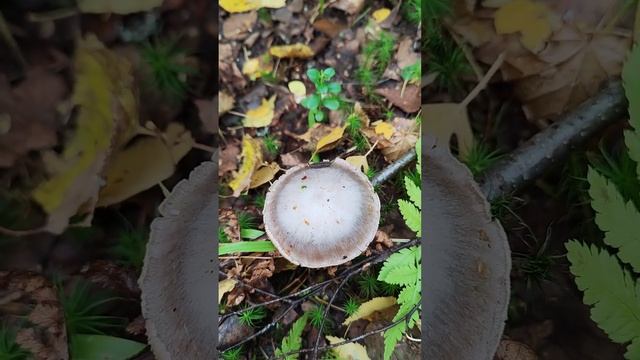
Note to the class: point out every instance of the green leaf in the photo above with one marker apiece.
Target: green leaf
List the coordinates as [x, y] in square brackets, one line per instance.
[311, 102]
[419, 156]
[314, 75]
[328, 73]
[335, 88]
[91, 347]
[609, 289]
[412, 73]
[331, 103]
[411, 215]
[631, 83]
[402, 258]
[319, 115]
[402, 275]
[322, 89]
[293, 340]
[617, 218]
[414, 192]
[391, 338]
[246, 246]
[251, 234]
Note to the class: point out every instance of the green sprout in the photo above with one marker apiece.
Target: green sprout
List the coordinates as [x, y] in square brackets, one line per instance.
[131, 248]
[327, 94]
[271, 144]
[316, 318]
[353, 128]
[480, 158]
[259, 201]
[82, 310]
[165, 61]
[351, 306]
[252, 316]
[233, 354]
[368, 284]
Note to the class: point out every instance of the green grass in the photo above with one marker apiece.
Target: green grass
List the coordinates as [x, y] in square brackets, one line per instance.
[131, 248]
[368, 284]
[354, 125]
[84, 313]
[253, 316]
[259, 201]
[245, 220]
[271, 144]
[223, 238]
[165, 60]
[316, 317]
[351, 306]
[412, 10]
[480, 158]
[235, 353]
[378, 53]
[9, 349]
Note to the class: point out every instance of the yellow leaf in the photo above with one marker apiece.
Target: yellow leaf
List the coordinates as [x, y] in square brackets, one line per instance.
[381, 15]
[144, 164]
[251, 157]
[257, 66]
[107, 116]
[224, 287]
[385, 129]
[333, 136]
[350, 351]
[121, 7]
[531, 19]
[298, 90]
[446, 119]
[264, 175]
[368, 308]
[262, 115]
[234, 6]
[359, 162]
[300, 51]
[225, 102]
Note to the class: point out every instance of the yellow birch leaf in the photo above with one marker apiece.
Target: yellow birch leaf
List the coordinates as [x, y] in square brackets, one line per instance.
[385, 129]
[368, 308]
[359, 162]
[262, 115]
[350, 351]
[300, 51]
[381, 15]
[298, 90]
[251, 157]
[333, 136]
[224, 287]
[235, 6]
[225, 102]
[531, 19]
[256, 67]
[144, 164]
[264, 175]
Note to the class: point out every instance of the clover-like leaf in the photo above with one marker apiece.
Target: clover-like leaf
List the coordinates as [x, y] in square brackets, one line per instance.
[328, 73]
[311, 102]
[335, 88]
[314, 75]
[331, 103]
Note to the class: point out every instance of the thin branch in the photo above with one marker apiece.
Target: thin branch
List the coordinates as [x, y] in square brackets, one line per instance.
[393, 168]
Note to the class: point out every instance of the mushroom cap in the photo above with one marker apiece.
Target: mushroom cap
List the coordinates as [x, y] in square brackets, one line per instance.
[466, 262]
[321, 216]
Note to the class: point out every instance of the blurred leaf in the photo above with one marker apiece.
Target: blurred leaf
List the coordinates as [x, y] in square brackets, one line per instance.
[334, 136]
[368, 308]
[234, 6]
[264, 175]
[224, 287]
[251, 158]
[121, 7]
[262, 115]
[350, 351]
[300, 51]
[103, 347]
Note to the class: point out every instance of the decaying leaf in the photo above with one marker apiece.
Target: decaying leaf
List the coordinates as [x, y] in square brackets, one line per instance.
[381, 15]
[359, 161]
[224, 287]
[298, 51]
[349, 6]
[228, 221]
[144, 164]
[122, 7]
[531, 19]
[368, 308]
[251, 158]
[234, 6]
[238, 26]
[262, 115]
[264, 175]
[442, 121]
[258, 66]
[225, 102]
[384, 128]
[334, 136]
[107, 117]
[228, 158]
[350, 351]
[403, 139]
[408, 100]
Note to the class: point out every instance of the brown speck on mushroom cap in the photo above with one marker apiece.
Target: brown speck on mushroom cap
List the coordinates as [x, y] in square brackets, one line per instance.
[337, 214]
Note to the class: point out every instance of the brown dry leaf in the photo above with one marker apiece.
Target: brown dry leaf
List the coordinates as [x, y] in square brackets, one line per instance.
[383, 238]
[442, 121]
[404, 138]
[144, 164]
[292, 159]
[109, 275]
[513, 350]
[228, 220]
[330, 27]
[313, 135]
[264, 174]
[409, 100]
[405, 56]
[297, 51]
[45, 333]
[238, 26]
[259, 271]
[228, 158]
[351, 7]
[29, 114]
[251, 158]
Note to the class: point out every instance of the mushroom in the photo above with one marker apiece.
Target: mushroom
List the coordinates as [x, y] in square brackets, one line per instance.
[321, 215]
[466, 261]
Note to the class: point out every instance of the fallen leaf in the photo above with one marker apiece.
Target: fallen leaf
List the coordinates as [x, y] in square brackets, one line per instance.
[529, 18]
[366, 309]
[513, 350]
[207, 113]
[329, 26]
[409, 100]
[292, 159]
[121, 7]
[381, 15]
[384, 128]
[334, 136]
[228, 221]
[238, 26]
[224, 287]
[107, 117]
[442, 121]
[349, 351]
[364, 118]
[225, 102]
[228, 158]
[144, 164]
[298, 90]
[262, 115]
[235, 6]
[258, 66]
[299, 51]
[405, 56]
[403, 139]
[351, 7]
[251, 158]
[264, 175]
[359, 162]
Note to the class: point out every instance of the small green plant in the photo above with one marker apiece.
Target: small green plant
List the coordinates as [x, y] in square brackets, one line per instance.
[480, 157]
[354, 126]
[609, 280]
[412, 10]
[316, 318]
[378, 52]
[9, 349]
[368, 284]
[252, 316]
[247, 224]
[410, 209]
[371, 172]
[351, 306]
[327, 94]
[83, 310]
[293, 340]
[411, 75]
[222, 235]
[245, 246]
[235, 353]
[165, 60]
[620, 170]
[271, 144]
[259, 201]
[131, 248]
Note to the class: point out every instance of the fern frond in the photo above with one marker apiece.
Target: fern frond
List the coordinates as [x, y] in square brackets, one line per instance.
[617, 218]
[414, 192]
[400, 259]
[610, 290]
[391, 338]
[411, 215]
[631, 82]
[293, 340]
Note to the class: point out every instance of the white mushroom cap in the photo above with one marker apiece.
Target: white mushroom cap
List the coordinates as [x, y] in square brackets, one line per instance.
[320, 217]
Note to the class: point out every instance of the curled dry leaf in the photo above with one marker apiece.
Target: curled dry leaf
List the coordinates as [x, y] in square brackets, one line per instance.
[365, 310]
[228, 158]
[224, 287]
[251, 158]
[144, 164]
[264, 174]
[234, 6]
[258, 66]
[262, 115]
[298, 51]
[238, 26]
[349, 351]
[403, 139]
[331, 138]
[409, 100]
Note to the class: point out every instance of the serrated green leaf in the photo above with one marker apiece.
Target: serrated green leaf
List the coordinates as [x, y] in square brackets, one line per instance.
[411, 215]
[414, 192]
[391, 338]
[402, 258]
[631, 82]
[402, 275]
[408, 298]
[293, 340]
[617, 218]
[609, 289]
